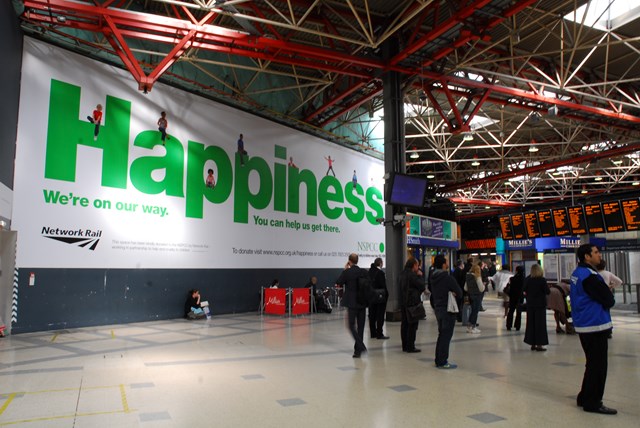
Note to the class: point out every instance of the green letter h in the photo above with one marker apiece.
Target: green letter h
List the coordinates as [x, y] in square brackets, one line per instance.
[66, 131]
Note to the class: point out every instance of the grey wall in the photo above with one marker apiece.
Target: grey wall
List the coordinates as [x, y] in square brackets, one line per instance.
[11, 48]
[70, 298]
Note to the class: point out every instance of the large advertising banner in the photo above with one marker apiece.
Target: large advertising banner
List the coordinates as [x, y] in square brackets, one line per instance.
[120, 185]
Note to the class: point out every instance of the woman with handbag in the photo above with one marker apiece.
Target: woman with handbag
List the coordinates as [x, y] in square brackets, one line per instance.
[411, 307]
[475, 287]
[536, 290]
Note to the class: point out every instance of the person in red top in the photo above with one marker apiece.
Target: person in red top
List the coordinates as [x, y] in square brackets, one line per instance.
[330, 161]
[96, 119]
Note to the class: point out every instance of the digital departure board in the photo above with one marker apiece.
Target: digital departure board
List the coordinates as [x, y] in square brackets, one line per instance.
[631, 214]
[612, 216]
[545, 222]
[517, 226]
[505, 227]
[576, 220]
[593, 214]
[531, 225]
[560, 221]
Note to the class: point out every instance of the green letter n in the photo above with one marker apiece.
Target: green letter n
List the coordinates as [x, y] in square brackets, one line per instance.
[66, 131]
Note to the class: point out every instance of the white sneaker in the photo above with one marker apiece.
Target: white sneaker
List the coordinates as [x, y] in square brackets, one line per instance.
[469, 329]
[475, 330]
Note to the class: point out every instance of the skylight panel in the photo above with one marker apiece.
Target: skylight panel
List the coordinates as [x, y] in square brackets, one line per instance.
[606, 15]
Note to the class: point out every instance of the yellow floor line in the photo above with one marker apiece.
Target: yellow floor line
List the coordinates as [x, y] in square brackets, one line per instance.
[6, 403]
[123, 395]
[51, 418]
[113, 334]
[53, 339]
[84, 388]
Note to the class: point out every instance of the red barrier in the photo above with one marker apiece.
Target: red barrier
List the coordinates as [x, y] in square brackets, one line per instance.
[300, 301]
[275, 301]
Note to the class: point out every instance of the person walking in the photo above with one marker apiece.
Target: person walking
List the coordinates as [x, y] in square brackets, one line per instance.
[475, 288]
[516, 282]
[410, 288]
[591, 300]
[441, 284]
[536, 290]
[356, 311]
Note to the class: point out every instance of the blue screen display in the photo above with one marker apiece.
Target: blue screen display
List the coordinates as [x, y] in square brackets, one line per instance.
[407, 191]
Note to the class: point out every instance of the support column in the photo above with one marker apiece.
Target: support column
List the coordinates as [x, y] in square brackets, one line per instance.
[394, 161]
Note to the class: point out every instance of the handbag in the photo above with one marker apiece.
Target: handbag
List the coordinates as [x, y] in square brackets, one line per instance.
[452, 305]
[416, 312]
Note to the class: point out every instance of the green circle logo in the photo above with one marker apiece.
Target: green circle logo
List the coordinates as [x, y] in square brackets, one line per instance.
[382, 247]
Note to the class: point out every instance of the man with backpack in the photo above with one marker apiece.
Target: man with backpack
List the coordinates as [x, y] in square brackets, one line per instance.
[378, 308]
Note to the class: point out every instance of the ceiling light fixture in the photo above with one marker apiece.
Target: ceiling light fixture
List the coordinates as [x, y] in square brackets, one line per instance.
[414, 155]
[636, 183]
[617, 161]
[467, 136]
[598, 178]
[475, 161]
[430, 175]
[533, 148]
[584, 190]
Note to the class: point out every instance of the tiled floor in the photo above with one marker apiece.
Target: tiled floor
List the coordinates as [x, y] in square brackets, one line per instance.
[244, 370]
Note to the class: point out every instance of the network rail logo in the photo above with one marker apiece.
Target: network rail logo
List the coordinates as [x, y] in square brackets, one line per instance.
[84, 238]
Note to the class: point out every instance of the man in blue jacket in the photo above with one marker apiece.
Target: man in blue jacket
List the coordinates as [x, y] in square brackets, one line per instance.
[591, 300]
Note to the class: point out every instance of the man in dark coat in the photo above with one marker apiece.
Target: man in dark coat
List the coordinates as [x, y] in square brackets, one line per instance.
[377, 310]
[441, 284]
[356, 312]
[410, 286]
[516, 283]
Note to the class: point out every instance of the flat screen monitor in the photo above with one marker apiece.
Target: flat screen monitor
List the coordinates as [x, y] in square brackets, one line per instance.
[576, 220]
[593, 214]
[560, 221]
[406, 190]
[531, 225]
[612, 216]
[545, 220]
[517, 225]
[505, 227]
[631, 214]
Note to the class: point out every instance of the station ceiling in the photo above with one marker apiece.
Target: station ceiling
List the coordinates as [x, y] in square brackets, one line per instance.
[509, 104]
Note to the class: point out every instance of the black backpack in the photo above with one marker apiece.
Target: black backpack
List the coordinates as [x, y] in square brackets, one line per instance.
[367, 295]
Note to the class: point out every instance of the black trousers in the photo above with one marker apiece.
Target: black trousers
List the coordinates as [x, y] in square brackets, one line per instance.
[376, 318]
[407, 331]
[595, 346]
[355, 320]
[446, 324]
[514, 307]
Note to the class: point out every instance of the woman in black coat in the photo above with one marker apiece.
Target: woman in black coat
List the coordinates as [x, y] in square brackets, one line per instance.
[410, 288]
[536, 291]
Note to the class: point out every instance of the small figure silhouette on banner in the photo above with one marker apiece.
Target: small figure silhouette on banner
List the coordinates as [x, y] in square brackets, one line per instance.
[96, 119]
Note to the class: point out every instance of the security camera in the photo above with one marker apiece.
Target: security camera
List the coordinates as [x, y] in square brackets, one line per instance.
[380, 220]
[400, 217]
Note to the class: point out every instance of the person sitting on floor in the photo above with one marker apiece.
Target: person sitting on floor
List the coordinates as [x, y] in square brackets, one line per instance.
[192, 308]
